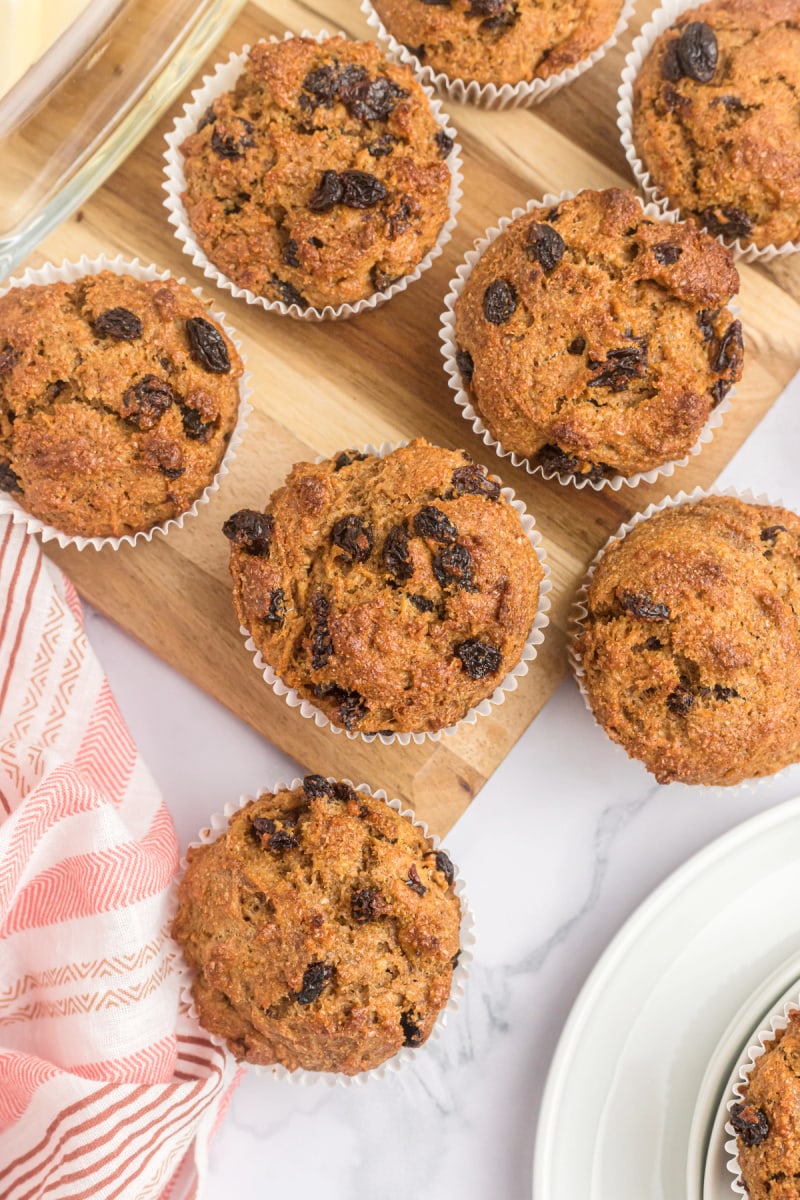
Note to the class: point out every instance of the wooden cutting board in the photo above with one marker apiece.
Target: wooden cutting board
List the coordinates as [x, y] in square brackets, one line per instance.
[322, 387]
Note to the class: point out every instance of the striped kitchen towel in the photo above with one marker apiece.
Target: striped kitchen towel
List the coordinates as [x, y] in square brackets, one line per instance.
[108, 1089]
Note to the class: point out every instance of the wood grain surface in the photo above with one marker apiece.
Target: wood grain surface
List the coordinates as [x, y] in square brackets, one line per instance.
[321, 387]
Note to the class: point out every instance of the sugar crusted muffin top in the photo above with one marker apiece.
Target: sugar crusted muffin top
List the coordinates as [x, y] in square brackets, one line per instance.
[117, 401]
[596, 341]
[691, 645]
[500, 41]
[321, 178]
[323, 929]
[767, 1120]
[393, 593]
[715, 117]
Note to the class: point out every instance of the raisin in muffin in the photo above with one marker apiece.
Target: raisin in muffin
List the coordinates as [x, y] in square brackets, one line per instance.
[500, 41]
[691, 643]
[715, 118]
[767, 1120]
[320, 179]
[323, 929]
[594, 341]
[393, 593]
[117, 401]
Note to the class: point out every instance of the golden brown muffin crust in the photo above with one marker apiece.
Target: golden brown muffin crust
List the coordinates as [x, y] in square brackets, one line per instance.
[767, 1120]
[323, 929]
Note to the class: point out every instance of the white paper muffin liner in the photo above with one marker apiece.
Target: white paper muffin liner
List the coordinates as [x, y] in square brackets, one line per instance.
[579, 610]
[661, 19]
[405, 1056]
[224, 79]
[490, 95]
[68, 272]
[777, 1018]
[508, 684]
[447, 336]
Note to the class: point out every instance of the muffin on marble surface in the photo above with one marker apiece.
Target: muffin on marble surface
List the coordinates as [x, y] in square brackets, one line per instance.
[323, 930]
[593, 340]
[118, 397]
[715, 118]
[394, 593]
[500, 41]
[690, 648]
[320, 179]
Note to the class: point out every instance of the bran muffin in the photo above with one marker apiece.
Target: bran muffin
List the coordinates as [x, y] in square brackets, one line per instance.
[691, 643]
[767, 1121]
[323, 929]
[393, 593]
[715, 118]
[321, 178]
[594, 341]
[500, 41]
[117, 401]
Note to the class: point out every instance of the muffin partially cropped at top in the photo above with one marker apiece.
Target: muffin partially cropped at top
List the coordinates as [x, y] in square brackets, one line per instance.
[394, 593]
[118, 397]
[500, 41]
[715, 118]
[323, 929]
[690, 649]
[321, 178]
[595, 341]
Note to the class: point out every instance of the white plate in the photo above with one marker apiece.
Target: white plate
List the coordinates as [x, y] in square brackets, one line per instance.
[618, 1108]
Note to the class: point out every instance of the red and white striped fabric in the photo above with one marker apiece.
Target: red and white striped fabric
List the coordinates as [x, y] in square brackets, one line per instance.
[107, 1089]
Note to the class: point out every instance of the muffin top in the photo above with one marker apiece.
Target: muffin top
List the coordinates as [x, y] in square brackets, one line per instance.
[595, 341]
[117, 401]
[767, 1121]
[320, 179]
[500, 41]
[323, 928]
[715, 117]
[393, 593]
[691, 646]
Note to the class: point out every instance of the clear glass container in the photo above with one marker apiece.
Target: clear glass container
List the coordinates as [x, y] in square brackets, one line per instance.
[88, 99]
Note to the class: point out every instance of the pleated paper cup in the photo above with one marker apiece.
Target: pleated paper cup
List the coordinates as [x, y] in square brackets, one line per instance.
[223, 79]
[69, 272]
[405, 1057]
[661, 20]
[490, 95]
[447, 336]
[509, 683]
[580, 608]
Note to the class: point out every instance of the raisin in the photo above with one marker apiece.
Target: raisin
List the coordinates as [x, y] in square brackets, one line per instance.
[321, 644]
[395, 553]
[251, 531]
[577, 346]
[263, 826]
[382, 280]
[414, 881]
[351, 710]
[444, 865]
[652, 643]
[697, 51]
[421, 603]
[730, 103]
[321, 83]
[750, 1123]
[368, 99]
[367, 904]
[496, 14]
[276, 612]
[473, 480]
[353, 538]
[620, 366]
[728, 356]
[478, 658]
[431, 522]
[382, 146]
[725, 221]
[444, 142]
[283, 840]
[9, 480]
[724, 693]
[705, 319]
[316, 978]
[8, 358]
[771, 533]
[465, 365]
[290, 254]
[145, 403]
[671, 68]
[545, 245]
[680, 701]
[412, 1034]
[398, 221]
[436, 3]
[194, 426]
[118, 323]
[346, 457]
[231, 146]
[317, 786]
[667, 253]
[720, 390]
[171, 472]
[207, 118]
[499, 302]
[554, 460]
[288, 292]
[453, 567]
[343, 792]
[674, 100]
[355, 189]
[643, 607]
[207, 346]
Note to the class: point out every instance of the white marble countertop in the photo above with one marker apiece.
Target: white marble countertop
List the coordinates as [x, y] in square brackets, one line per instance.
[558, 849]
